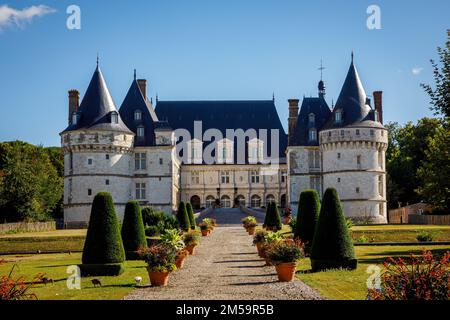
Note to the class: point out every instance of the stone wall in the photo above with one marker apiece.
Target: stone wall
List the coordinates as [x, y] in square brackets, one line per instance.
[27, 226]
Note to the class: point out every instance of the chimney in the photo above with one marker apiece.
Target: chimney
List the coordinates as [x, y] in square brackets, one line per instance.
[292, 120]
[378, 102]
[74, 102]
[143, 87]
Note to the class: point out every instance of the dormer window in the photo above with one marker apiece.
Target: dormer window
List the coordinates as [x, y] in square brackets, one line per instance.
[74, 118]
[114, 117]
[312, 119]
[138, 115]
[140, 131]
[312, 134]
[376, 116]
[338, 116]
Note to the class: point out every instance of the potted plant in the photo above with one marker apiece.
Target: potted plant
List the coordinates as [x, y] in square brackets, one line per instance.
[284, 255]
[251, 226]
[270, 239]
[160, 260]
[259, 239]
[173, 238]
[191, 240]
[211, 224]
[247, 220]
[204, 228]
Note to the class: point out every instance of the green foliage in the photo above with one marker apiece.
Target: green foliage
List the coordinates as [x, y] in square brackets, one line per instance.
[191, 238]
[160, 257]
[151, 217]
[285, 251]
[307, 214]
[133, 233]
[30, 186]
[425, 236]
[293, 224]
[173, 238]
[152, 231]
[349, 223]
[190, 211]
[260, 236]
[362, 239]
[101, 269]
[272, 219]
[183, 217]
[332, 246]
[103, 243]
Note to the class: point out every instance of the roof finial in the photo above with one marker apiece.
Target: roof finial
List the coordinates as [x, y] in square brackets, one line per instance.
[273, 96]
[321, 69]
[157, 97]
[352, 56]
[134, 74]
[97, 60]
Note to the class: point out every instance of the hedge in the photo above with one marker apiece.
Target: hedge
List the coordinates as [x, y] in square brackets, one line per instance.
[133, 233]
[307, 215]
[183, 217]
[190, 211]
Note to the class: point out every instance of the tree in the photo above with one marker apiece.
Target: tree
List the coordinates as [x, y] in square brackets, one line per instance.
[307, 214]
[103, 252]
[272, 219]
[31, 186]
[435, 171]
[183, 217]
[440, 95]
[190, 211]
[133, 232]
[332, 246]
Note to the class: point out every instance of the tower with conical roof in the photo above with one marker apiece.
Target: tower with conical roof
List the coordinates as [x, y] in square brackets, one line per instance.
[353, 143]
[97, 148]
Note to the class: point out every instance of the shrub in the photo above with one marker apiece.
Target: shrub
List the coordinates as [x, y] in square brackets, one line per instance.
[191, 239]
[152, 217]
[425, 236]
[171, 222]
[173, 238]
[210, 222]
[248, 220]
[103, 244]
[418, 278]
[349, 223]
[332, 245]
[273, 219]
[160, 257]
[183, 217]
[190, 211]
[260, 236]
[307, 214]
[133, 233]
[204, 226]
[152, 231]
[285, 251]
[362, 239]
[293, 224]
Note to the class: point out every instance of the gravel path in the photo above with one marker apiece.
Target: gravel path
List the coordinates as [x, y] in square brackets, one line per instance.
[226, 267]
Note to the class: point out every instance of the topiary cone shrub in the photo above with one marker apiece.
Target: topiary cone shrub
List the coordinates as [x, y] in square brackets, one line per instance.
[190, 211]
[307, 215]
[273, 219]
[332, 246]
[183, 217]
[103, 253]
[133, 232]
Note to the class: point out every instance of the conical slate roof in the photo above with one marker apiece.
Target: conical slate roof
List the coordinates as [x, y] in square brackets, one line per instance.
[352, 101]
[135, 101]
[97, 107]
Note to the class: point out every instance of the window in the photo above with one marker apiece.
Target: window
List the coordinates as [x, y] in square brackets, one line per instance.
[357, 132]
[372, 132]
[225, 201]
[160, 160]
[314, 183]
[225, 176]
[140, 161]
[140, 191]
[90, 161]
[269, 199]
[210, 201]
[339, 180]
[380, 185]
[138, 115]
[342, 133]
[358, 161]
[312, 134]
[114, 117]
[357, 189]
[74, 118]
[255, 152]
[107, 156]
[311, 118]
[339, 155]
[107, 182]
[376, 116]
[314, 159]
[329, 133]
[255, 201]
[254, 176]
[241, 200]
[380, 159]
[283, 176]
[89, 192]
[338, 116]
[195, 177]
[224, 153]
[140, 132]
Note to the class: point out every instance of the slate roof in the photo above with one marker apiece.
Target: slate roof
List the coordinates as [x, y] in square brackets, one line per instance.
[352, 102]
[96, 108]
[222, 115]
[134, 100]
[317, 106]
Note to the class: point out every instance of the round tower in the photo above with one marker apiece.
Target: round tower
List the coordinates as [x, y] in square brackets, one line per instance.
[353, 145]
[97, 150]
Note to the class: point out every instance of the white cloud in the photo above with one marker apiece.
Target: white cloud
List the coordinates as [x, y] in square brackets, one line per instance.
[416, 71]
[10, 16]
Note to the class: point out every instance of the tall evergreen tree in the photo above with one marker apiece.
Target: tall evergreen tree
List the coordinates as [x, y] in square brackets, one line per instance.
[332, 246]
[133, 232]
[307, 215]
[183, 217]
[190, 211]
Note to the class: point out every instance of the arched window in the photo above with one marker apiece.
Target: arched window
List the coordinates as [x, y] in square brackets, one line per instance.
[255, 201]
[195, 202]
[338, 116]
[137, 115]
[241, 200]
[269, 199]
[225, 201]
[283, 201]
[377, 116]
[114, 117]
[312, 135]
[210, 201]
[311, 119]
[74, 118]
[140, 131]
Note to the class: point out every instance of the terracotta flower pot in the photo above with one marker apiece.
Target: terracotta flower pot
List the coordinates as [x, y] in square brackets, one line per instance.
[286, 271]
[251, 231]
[205, 233]
[286, 220]
[181, 257]
[191, 249]
[158, 279]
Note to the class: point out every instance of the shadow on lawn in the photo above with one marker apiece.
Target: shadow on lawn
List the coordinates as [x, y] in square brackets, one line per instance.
[231, 261]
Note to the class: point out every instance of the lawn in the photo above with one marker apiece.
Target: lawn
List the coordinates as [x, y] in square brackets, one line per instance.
[55, 266]
[399, 233]
[351, 285]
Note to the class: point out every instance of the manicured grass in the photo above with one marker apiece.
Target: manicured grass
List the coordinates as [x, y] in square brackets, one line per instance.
[29, 244]
[54, 233]
[55, 265]
[351, 285]
[399, 233]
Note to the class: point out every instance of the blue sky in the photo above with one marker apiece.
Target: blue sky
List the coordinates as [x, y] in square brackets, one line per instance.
[204, 49]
